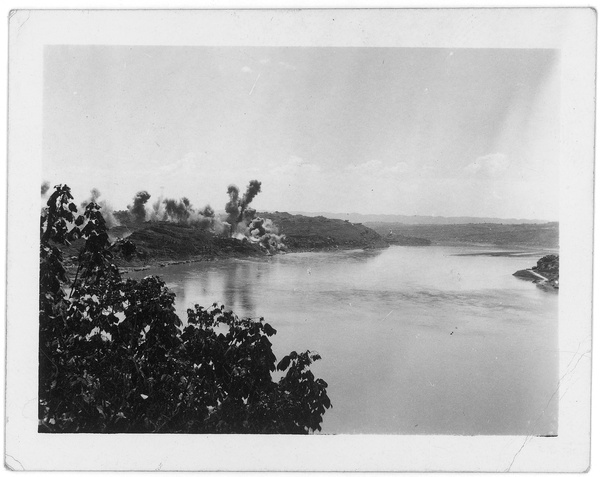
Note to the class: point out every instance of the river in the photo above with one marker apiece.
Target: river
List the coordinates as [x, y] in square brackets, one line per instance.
[414, 340]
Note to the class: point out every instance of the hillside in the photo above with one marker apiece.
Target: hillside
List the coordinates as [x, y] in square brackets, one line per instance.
[319, 233]
[396, 239]
[418, 219]
[497, 235]
[167, 242]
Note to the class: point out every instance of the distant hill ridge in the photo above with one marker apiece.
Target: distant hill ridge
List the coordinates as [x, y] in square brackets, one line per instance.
[544, 235]
[419, 219]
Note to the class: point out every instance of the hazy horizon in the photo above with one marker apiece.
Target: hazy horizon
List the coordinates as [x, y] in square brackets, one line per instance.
[301, 212]
[397, 131]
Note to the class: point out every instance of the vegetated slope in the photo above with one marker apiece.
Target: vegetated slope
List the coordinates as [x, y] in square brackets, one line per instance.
[397, 239]
[499, 235]
[318, 233]
[166, 241]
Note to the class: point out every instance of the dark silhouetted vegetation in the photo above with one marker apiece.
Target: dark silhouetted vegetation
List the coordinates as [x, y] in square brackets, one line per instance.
[115, 357]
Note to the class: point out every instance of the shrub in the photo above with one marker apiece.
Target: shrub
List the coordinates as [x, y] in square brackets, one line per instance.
[115, 357]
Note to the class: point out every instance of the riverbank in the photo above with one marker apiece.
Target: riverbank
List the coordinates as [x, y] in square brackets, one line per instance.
[160, 244]
[545, 274]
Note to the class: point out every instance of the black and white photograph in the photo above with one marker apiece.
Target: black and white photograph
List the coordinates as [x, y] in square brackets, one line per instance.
[310, 224]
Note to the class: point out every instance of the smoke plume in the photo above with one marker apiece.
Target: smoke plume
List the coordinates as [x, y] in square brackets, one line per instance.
[241, 221]
[178, 211]
[138, 209]
[208, 211]
[251, 191]
[244, 223]
[181, 212]
[264, 232]
[232, 208]
[237, 209]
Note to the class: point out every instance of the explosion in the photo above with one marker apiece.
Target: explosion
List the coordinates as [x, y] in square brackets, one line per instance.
[233, 207]
[138, 209]
[237, 209]
[182, 212]
[266, 234]
[178, 211]
[243, 222]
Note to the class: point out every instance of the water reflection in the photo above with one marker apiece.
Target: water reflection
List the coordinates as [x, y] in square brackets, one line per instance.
[194, 285]
[239, 289]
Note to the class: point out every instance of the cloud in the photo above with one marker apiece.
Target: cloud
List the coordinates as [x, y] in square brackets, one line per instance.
[375, 167]
[397, 168]
[246, 69]
[287, 66]
[264, 61]
[189, 162]
[490, 166]
[295, 163]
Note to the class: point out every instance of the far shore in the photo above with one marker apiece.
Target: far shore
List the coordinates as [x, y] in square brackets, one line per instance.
[510, 253]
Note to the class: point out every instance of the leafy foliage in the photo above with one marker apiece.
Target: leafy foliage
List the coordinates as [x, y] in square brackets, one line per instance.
[115, 357]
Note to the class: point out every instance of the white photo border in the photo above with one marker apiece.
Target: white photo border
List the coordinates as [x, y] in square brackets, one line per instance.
[570, 30]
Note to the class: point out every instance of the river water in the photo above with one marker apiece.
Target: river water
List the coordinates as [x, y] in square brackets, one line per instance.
[414, 340]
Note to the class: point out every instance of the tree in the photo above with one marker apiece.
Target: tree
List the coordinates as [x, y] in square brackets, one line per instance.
[115, 357]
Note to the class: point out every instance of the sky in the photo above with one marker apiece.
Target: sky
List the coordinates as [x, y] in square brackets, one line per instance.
[412, 131]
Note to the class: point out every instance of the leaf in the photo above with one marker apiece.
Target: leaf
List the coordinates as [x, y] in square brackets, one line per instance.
[269, 330]
[284, 363]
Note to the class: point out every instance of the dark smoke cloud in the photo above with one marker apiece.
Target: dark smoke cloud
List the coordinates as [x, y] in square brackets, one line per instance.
[208, 212]
[178, 211]
[138, 209]
[232, 208]
[264, 232]
[251, 192]
[244, 224]
[237, 209]
[45, 187]
[182, 212]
